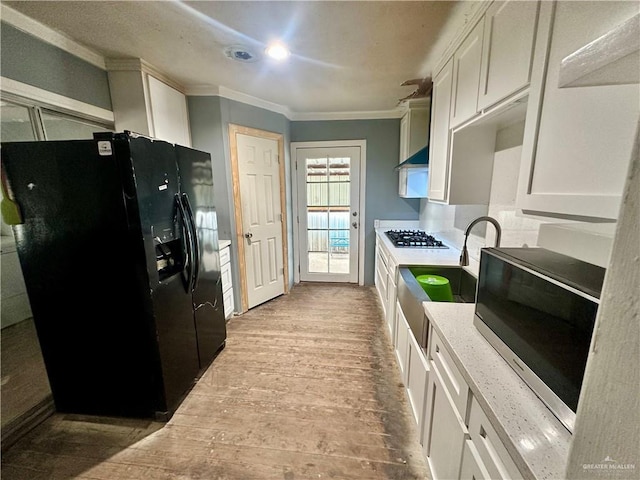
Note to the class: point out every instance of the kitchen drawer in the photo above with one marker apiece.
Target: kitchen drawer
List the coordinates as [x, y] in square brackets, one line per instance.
[472, 466]
[225, 274]
[384, 254]
[381, 279]
[452, 379]
[490, 449]
[417, 375]
[227, 298]
[225, 256]
[392, 268]
[391, 308]
[402, 342]
[444, 431]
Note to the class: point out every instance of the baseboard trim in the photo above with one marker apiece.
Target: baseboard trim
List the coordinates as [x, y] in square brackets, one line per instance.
[20, 426]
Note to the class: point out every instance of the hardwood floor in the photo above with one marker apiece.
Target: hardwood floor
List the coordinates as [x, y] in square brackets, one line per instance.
[24, 387]
[306, 387]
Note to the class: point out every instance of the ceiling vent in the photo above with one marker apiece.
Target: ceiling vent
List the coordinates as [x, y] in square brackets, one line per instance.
[241, 53]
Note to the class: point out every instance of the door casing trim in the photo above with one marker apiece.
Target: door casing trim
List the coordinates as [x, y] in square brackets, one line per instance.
[362, 199]
[235, 176]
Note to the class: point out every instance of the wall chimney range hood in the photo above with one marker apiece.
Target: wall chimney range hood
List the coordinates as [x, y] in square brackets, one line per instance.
[420, 159]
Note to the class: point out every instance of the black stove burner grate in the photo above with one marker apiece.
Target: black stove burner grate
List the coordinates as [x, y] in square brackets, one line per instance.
[414, 239]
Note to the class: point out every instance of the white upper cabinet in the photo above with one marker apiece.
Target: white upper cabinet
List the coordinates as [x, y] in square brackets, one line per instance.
[168, 113]
[466, 76]
[414, 128]
[461, 160]
[146, 102]
[490, 68]
[507, 52]
[439, 142]
[414, 135]
[578, 141]
[404, 137]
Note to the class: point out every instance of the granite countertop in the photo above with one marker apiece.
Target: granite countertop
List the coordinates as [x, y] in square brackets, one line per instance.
[223, 243]
[425, 256]
[533, 436]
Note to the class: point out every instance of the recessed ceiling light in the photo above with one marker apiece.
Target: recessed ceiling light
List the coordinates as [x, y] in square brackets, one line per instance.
[277, 51]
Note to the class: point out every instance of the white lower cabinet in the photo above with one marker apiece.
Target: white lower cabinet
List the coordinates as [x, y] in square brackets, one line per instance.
[385, 282]
[458, 440]
[490, 451]
[381, 275]
[450, 376]
[227, 283]
[402, 341]
[390, 313]
[416, 375]
[472, 467]
[445, 427]
[444, 431]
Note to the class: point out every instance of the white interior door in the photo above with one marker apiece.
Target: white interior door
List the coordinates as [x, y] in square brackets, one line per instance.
[259, 178]
[328, 213]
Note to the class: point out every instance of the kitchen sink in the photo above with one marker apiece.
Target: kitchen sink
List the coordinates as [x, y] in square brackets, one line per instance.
[463, 284]
[411, 295]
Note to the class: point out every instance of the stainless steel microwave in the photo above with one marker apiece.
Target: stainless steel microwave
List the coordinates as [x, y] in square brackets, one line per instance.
[537, 308]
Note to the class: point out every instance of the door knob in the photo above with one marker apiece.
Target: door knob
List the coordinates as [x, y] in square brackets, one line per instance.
[248, 235]
[354, 224]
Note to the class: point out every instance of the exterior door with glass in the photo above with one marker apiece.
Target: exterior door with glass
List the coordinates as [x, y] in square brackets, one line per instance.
[328, 216]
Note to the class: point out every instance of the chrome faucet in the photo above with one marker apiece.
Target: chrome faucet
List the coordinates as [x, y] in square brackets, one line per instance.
[464, 255]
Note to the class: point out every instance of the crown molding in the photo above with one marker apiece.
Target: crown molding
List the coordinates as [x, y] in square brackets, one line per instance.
[141, 65]
[220, 91]
[371, 115]
[202, 91]
[124, 64]
[255, 101]
[46, 34]
[215, 91]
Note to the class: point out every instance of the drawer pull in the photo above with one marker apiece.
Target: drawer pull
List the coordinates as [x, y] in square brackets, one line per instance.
[483, 433]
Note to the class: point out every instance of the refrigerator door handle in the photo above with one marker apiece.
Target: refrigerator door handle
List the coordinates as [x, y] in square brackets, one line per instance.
[196, 241]
[189, 264]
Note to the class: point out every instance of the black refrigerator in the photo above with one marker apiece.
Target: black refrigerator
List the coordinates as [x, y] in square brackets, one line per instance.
[118, 243]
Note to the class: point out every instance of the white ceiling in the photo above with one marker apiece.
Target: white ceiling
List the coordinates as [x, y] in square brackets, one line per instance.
[346, 56]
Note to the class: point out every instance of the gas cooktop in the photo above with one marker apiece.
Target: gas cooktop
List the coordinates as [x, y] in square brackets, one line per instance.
[413, 239]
